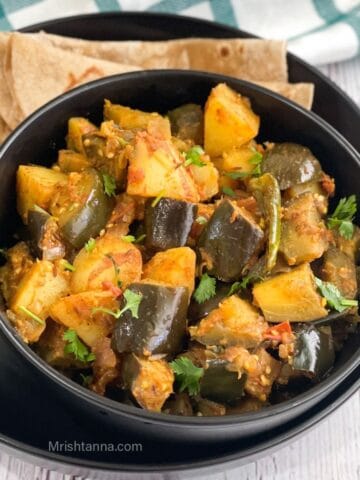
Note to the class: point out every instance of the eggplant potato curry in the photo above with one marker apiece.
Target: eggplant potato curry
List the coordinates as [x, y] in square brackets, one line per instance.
[173, 263]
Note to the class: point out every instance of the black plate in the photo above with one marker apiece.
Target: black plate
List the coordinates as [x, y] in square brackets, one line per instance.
[33, 418]
[330, 102]
[25, 398]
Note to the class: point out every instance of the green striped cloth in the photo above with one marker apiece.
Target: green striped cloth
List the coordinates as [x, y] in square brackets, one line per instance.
[320, 31]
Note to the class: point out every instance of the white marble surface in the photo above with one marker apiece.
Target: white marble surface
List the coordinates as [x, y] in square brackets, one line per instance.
[331, 451]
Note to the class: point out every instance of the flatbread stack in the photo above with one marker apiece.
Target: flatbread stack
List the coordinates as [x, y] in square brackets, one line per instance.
[35, 68]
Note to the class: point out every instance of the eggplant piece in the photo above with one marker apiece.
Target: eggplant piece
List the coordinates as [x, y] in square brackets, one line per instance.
[85, 219]
[45, 236]
[70, 161]
[261, 378]
[179, 404]
[150, 381]
[342, 328]
[303, 235]
[229, 241]
[291, 297]
[187, 122]
[314, 350]
[208, 408]
[168, 223]
[107, 153]
[234, 322]
[77, 127]
[340, 270]
[221, 385]
[248, 404]
[18, 262]
[291, 164]
[161, 323]
[351, 247]
[51, 347]
[197, 311]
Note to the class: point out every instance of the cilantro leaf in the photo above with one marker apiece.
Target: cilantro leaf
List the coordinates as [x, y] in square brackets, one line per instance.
[187, 375]
[114, 313]
[109, 184]
[90, 245]
[333, 296]
[343, 217]
[228, 191]
[67, 266]
[193, 157]
[201, 220]
[86, 379]
[133, 301]
[76, 347]
[236, 286]
[206, 288]
[256, 160]
[346, 229]
[128, 238]
[157, 199]
[31, 315]
[140, 238]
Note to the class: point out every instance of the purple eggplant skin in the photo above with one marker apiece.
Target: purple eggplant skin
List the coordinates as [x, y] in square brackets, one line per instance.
[219, 384]
[161, 324]
[314, 352]
[88, 219]
[228, 242]
[187, 123]
[45, 240]
[291, 164]
[168, 223]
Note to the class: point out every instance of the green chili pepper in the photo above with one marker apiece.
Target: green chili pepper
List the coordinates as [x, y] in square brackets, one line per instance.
[267, 192]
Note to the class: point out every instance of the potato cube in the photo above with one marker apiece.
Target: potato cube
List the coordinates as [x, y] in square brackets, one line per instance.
[36, 185]
[234, 322]
[40, 287]
[290, 297]
[76, 312]
[175, 267]
[229, 121]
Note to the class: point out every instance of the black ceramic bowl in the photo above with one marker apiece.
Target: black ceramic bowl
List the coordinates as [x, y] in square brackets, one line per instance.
[37, 141]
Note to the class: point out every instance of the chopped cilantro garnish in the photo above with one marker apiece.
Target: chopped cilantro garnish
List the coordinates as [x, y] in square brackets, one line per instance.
[193, 157]
[76, 347]
[187, 375]
[206, 288]
[343, 216]
[333, 296]
[109, 184]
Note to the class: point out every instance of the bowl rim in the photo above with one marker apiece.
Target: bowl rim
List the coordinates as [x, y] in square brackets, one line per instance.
[136, 413]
